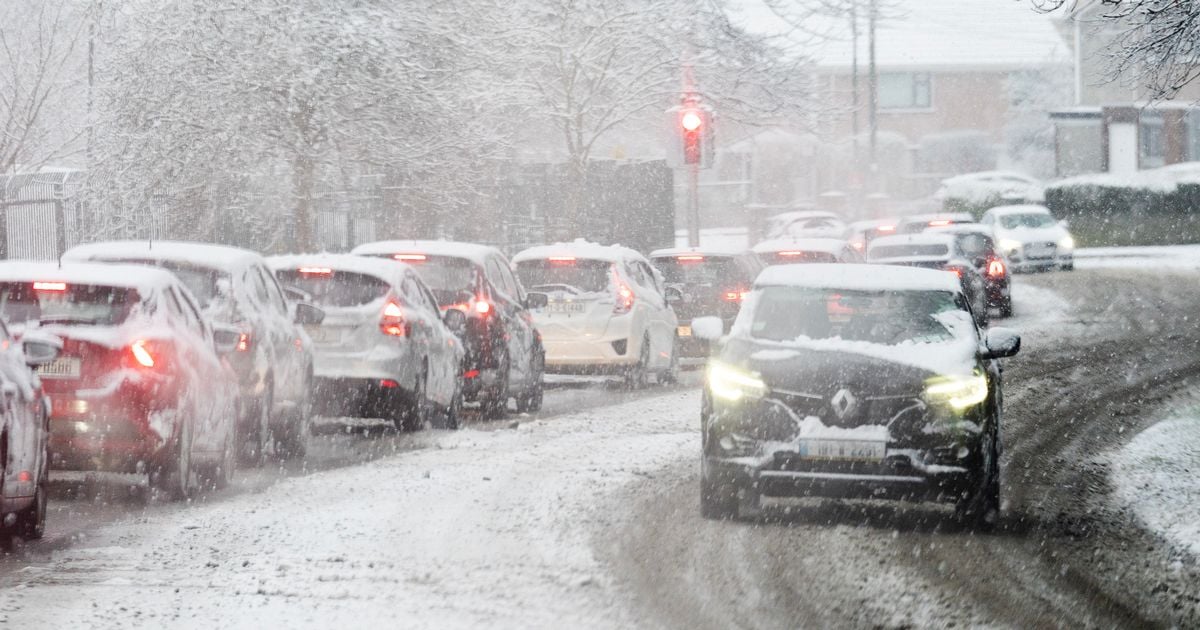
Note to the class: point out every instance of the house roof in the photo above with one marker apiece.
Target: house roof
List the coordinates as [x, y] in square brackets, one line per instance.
[930, 35]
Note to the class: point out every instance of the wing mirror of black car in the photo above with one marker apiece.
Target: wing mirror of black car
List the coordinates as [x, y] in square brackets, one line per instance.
[456, 320]
[40, 348]
[708, 328]
[673, 295]
[307, 314]
[1000, 343]
[225, 338]
[535, 300]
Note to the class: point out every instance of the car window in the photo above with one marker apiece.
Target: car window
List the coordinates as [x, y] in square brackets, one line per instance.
[256, 286]
[191, 317]
[415, 297]
[498, 281]
[514, 287]
[882, 317]
[64, 302]
[584, 276]
[974, 245]
[336, 288]
[275, 297]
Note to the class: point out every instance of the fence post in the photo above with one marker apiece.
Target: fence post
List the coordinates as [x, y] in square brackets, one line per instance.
[60, 227]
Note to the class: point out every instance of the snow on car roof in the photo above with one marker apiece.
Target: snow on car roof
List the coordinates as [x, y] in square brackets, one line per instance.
[385, 269]
[221, 257]
[96, 274]
[578, 249]
[918, 238]
[869, 224]
[1019, 209]
[453, 249]
[799, 215]
[989, 176]
[933, 216]
[959, 228]
[828, 245]
[703, 250]
[857, 277]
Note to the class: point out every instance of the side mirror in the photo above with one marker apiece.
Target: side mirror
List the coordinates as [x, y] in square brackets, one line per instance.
[40, 348]
[456, 320]
[673, 295]
[536, 300]
[708, 328]
[296, 295]
[225, 338]
[307, 314]
[1000, 343]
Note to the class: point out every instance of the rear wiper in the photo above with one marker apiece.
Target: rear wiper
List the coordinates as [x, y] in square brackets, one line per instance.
[541, 288]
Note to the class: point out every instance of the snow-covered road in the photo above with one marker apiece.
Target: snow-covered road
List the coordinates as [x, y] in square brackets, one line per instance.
[479, 529]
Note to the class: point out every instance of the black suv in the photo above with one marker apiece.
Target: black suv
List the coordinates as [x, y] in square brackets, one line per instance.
[853, 381]
[932, 250]
[704, 282]
[975, 242]
[504, 356]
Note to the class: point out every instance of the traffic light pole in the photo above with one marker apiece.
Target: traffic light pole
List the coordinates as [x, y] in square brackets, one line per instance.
[693, 201]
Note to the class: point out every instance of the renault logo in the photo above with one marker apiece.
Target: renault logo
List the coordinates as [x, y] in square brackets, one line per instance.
[843, 403]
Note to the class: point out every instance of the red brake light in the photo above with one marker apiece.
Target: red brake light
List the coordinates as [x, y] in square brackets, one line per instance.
[625, 295]
[243, 342]
[790, 254]
[995, 268]
[483, 307]
[392, 321]
[939, 223]
[141, 354]
[735, 296]
[690, 258]
[315, 271]
[388, 383]
[49, 286]
[562, 260]
[886, 228]
[957, 271]
[410, 257]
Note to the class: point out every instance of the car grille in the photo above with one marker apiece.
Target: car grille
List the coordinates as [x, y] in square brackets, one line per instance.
[1040, 250]
[865, 410]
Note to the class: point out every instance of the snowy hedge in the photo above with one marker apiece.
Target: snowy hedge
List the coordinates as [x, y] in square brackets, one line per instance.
[1151, 207]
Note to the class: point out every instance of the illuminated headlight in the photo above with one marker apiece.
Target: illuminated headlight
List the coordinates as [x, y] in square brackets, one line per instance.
[1009, 245]
[1066, 242]
[729, 383]
[959, 392]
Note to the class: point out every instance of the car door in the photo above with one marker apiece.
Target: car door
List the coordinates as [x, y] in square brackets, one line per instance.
[426, 328]
[24, 418]
[507, 301]
[660, 321]
[271, 332]
[198, 367]
[293, 361]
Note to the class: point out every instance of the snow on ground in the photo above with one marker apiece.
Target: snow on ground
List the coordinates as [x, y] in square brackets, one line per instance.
[1157, 474]
[1034, 307]
[479, 529]
[1157, 257]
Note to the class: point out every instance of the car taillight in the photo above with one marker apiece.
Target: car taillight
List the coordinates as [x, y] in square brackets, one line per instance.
[315, 271]
[392, 321]
[996, 268]
[410, 258]
[690, 258]
[50, 286]
[624, 295]
[957, 271]
[243, 343]
[886, 228]
[939, 223]
[736, 295]
[141, 353]
[483, 307]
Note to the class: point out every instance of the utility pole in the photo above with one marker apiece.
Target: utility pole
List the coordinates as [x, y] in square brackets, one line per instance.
[873, 88]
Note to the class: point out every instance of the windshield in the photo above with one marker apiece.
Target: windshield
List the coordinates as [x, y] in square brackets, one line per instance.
[712, 271]
[1032, 220]
[580, 276]
[65, 303]
[203, 282]
[883, 317]
[336, 288]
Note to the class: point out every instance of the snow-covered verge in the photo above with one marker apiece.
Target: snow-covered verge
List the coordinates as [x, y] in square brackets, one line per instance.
[1151, 257]
[478, 529]
[1157, 474]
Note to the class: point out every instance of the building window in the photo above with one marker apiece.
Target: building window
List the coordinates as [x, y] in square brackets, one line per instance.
[1150, 136]
[904, 90]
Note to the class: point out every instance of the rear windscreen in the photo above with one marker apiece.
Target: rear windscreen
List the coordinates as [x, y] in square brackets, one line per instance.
[586, 276]
[712, 271]
[451, 279]
[789, 257]
[909, 250]
[65, 303]
[201, 281]
[336, 288]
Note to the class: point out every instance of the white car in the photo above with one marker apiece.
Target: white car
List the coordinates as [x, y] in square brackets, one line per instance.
[606, 311]
[383, 349]
[788, 251]
[985, 185]
[1030, 238]
[806, 223]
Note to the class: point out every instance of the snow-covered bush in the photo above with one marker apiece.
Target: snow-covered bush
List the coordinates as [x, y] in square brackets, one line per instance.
[1150, 207]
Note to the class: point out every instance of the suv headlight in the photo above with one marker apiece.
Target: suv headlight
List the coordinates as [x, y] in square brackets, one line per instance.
[1066, 242]
[1008, 245]
[959, 392]
[733, 384]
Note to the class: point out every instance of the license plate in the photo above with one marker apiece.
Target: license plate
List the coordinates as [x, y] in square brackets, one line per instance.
[684, 331]
[843, 450]
[1037, 250]
[62, 367]
[564, 307]
[321, 334]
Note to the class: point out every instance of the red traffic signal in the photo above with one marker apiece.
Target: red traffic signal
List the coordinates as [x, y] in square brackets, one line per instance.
[691, 130]
[691, 120]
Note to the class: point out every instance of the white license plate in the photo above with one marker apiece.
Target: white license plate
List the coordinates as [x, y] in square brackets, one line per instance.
[843, 450]
[684, 331]
[62, 367]
[1039, 251]
[564, 307]
[321, 334]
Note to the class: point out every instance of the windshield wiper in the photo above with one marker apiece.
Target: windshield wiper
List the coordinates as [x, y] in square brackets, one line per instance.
[69, 319]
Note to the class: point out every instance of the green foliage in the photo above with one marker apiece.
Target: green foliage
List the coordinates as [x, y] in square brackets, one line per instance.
[1128, 215]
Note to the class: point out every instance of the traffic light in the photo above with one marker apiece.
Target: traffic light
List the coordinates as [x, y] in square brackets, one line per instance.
[692, 133]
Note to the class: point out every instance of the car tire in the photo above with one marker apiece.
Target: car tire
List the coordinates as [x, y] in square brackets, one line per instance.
[670, 376]
[253, 450]
[637, 375]
[31, 522]
[298, 427]
[979, 509]
[495, 405]
[173, 475]
[414, 412]
[530, 401]
[451, 417]
[220, 475]
[1006, 307]
[718, 501]
[1068, 266]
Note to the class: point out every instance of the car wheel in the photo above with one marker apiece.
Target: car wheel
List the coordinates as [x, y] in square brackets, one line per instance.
[1068, 266]
[636, 376]
[670, 376]
[531, 400]
[495, 406]
[980, 507]
[414, 412]
[31, 523]
[1006, 308]
[253, 450]
[298, 429]
[718, 501]
[173, 475]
